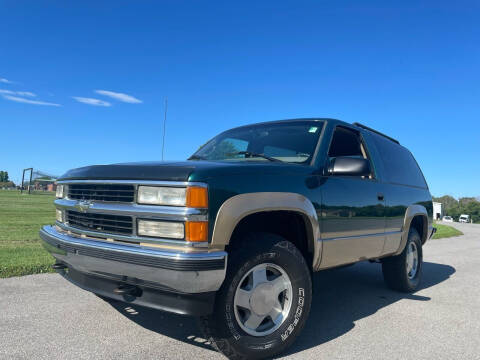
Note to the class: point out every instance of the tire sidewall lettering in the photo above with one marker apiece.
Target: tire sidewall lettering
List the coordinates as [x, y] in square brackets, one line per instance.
[297, 316]
[282, 334]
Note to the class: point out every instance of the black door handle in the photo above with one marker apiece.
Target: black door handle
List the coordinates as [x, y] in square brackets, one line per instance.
[380, 196]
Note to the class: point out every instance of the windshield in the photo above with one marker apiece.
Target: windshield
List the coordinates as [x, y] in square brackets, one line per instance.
[292, 142]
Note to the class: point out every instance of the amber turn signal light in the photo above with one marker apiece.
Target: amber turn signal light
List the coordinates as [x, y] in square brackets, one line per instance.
[197, 197]
[196, 231]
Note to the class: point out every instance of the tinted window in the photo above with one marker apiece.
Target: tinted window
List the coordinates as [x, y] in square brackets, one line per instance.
[348, 143]
[399, 165]
[293, 142]
[278, 151]
[345, 142]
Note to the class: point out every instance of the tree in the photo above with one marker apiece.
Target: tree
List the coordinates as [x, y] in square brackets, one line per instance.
[454, 208]
[465, 200]
[4, 176]
[447, 201]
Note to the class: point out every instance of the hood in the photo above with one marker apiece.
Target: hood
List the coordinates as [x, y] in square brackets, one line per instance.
[192, 170]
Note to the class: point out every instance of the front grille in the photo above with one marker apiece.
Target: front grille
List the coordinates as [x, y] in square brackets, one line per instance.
[102, 192]
[113, 224]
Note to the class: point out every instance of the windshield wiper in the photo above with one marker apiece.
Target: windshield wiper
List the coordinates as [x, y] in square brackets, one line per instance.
[254, 154]
[196, 157]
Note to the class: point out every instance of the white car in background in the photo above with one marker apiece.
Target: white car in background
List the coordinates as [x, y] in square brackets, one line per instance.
[464, 218]
[447, 219]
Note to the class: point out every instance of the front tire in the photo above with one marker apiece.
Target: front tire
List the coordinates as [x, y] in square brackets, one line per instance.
[404, 272]
[264, 301]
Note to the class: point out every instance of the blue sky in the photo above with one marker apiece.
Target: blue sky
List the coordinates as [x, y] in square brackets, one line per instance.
[410, 69]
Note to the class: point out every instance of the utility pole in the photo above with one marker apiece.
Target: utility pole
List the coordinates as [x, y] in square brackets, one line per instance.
[164, 123]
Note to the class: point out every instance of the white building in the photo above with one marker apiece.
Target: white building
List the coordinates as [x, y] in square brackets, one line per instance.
[437, 211]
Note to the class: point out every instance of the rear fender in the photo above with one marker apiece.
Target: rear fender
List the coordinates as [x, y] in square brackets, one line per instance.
[412, 211]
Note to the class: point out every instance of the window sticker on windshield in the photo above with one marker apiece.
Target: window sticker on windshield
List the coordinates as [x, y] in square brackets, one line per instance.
[313, 129]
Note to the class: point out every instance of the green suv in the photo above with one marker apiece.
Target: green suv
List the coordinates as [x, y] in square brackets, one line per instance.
[234, 234]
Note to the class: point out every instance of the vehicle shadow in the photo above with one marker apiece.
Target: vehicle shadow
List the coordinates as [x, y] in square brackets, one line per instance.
[341, 297]
[179, 327]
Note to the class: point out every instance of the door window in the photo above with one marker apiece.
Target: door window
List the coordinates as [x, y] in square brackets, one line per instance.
[347, 143]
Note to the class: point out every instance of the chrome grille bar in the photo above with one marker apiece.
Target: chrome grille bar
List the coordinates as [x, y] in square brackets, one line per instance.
[102, 192]
[113, 224]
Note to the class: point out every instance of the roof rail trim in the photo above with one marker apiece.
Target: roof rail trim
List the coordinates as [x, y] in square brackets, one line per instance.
[376, 132]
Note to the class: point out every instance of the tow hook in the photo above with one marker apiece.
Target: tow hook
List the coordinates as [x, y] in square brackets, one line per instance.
[126, 289]
[59, 266]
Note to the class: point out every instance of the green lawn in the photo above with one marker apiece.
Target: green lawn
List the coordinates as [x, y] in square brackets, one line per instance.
[445, 231]
[21, 216]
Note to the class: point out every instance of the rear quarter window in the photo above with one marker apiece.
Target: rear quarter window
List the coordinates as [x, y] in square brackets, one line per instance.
[399, 164]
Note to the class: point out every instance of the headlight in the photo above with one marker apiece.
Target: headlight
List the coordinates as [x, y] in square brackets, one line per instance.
[192, 196]
[161, 229]
[59, 215]
[155, 195]
[59, 193]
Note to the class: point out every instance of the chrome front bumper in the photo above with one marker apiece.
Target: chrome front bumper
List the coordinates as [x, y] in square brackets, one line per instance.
[172, 271]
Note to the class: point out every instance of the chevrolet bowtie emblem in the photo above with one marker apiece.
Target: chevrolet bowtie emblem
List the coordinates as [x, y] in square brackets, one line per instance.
[83, 205]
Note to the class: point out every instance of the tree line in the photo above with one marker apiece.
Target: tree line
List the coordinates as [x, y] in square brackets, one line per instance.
[5, 181]
[454, 208]
[4, 176]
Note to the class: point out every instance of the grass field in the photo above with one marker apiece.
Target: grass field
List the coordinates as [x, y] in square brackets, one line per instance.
[445, 231]
[20, 219]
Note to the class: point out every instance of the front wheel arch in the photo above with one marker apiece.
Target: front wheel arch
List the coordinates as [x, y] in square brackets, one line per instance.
[238, 207]
[292, 226]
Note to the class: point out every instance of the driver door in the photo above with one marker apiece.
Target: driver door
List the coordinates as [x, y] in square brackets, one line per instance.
[353, 210]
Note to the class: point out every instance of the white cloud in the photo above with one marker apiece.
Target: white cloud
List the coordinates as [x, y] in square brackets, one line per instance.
[26, 93]
[28, 101]
[119, 96]
[91, 101]
[19, 93]
[5, 81]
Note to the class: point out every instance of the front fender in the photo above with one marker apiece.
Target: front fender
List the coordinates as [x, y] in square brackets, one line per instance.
[238, 207]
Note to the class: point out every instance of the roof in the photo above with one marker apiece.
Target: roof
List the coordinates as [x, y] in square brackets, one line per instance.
[287, 121]
[356, 124]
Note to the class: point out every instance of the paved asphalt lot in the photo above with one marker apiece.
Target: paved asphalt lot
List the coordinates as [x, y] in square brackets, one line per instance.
[353, 316]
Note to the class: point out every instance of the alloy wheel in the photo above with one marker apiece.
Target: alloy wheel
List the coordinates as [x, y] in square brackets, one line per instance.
[263, 299]
[412, 260]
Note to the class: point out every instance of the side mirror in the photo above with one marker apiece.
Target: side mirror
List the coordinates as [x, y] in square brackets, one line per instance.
[348, 166]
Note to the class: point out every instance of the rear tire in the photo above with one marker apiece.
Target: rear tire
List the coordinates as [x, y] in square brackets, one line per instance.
[404, 272]
[282, 292]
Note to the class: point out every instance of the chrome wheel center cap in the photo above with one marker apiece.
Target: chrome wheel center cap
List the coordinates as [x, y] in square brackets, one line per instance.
[263, 299]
